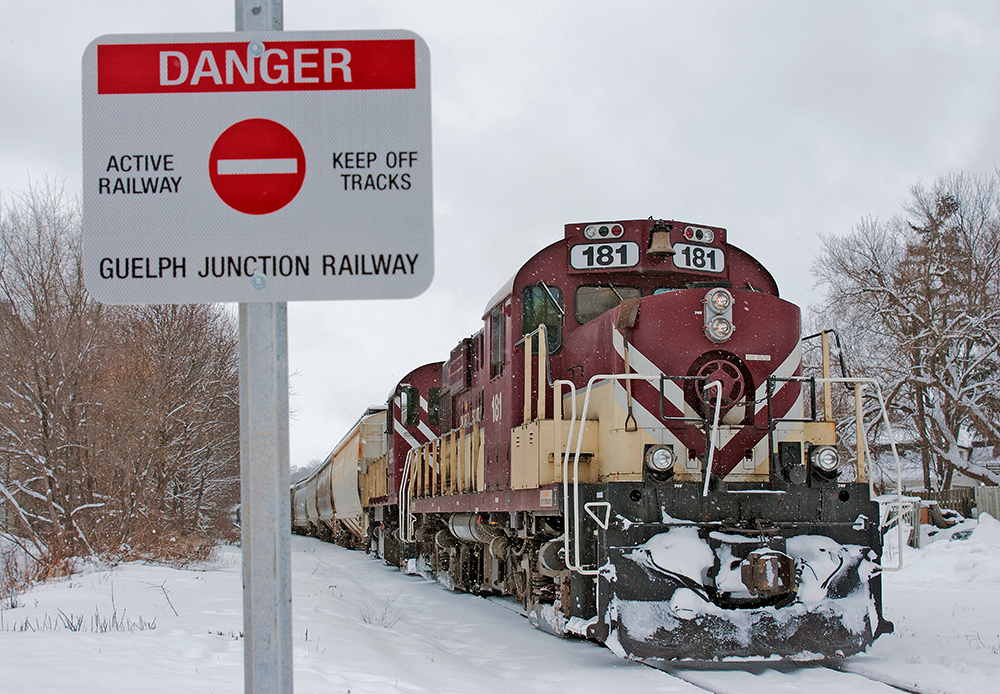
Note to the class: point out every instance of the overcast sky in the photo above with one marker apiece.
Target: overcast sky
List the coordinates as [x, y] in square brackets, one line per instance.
[780, 121]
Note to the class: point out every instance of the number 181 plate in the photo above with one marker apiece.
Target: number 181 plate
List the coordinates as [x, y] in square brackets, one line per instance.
[604, 256]
[699, 258]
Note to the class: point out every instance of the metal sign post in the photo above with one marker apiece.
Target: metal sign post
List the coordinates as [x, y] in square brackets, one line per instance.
[265, 506]
[265, 510]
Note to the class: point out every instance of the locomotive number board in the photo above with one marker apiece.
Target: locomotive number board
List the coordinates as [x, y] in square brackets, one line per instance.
[699, 258]
[604, 256]
[257, 167]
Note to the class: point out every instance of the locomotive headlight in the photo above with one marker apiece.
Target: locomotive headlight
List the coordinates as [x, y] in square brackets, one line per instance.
[718, 312]
[719, 329]
[719, 300]
[660, 459]
[825, 458]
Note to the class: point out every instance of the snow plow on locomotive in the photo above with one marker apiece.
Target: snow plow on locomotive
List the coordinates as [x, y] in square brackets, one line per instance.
[630, 449]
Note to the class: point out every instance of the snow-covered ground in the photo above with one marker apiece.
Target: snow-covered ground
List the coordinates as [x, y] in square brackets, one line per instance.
[362, 627]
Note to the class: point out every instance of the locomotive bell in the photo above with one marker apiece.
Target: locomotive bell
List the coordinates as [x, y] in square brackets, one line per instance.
[659, 244]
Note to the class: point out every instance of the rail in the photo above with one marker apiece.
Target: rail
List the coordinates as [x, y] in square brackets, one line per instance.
[573, 560]
[448, 465]
[571, 554]
[557, 396]
[906, 515]
[544, 379]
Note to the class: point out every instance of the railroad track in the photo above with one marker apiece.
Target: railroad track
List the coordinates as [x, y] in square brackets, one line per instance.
[781, 676]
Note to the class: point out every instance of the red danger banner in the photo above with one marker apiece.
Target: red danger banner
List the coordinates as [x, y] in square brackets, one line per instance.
[265, 67]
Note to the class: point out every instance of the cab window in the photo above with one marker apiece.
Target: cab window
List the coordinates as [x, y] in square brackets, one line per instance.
[543, 303]
[497, 328]
[591, 301]
[409, 406]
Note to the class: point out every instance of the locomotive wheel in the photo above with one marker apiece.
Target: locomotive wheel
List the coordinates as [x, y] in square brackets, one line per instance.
[728, 375]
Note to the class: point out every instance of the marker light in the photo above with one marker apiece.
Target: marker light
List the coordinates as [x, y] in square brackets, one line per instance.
[699, 234]
[603, 231]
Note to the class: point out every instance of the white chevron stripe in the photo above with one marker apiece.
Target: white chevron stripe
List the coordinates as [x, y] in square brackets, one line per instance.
[785, 370]
[640, 363]
[401, 430]
[421, 427]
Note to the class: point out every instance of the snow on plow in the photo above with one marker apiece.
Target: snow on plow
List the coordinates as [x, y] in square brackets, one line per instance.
[680, 595]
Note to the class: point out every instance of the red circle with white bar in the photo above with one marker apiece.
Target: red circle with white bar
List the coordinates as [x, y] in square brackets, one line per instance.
[257, 166]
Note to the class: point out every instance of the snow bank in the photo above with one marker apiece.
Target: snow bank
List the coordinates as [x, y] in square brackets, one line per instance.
[966, 553]
[943, 604]
[359, 627]
[947, 638]
[987, 531]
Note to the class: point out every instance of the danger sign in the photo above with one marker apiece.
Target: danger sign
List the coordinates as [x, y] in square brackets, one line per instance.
[257, 167]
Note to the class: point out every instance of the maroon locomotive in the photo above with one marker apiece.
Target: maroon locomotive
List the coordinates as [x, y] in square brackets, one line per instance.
[630, 449]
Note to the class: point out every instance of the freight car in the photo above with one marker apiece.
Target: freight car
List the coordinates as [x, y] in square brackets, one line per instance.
[630, 448]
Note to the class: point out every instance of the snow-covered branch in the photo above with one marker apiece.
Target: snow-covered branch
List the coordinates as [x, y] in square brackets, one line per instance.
[918, 299]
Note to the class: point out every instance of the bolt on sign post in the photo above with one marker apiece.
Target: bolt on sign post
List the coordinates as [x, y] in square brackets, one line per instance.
[258, 167]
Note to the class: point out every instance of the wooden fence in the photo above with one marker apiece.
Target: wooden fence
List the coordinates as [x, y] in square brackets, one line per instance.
[988, 500]
[964, 499]
[960, 499]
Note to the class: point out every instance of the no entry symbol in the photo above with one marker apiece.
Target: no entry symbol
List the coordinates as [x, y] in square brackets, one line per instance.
[257, 166]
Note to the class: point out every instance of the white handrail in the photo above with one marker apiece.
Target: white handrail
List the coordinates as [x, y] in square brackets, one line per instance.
[405, 517]
[557, 403]
[576, 465]
[544, 370]
[715, 431]
[895, 455]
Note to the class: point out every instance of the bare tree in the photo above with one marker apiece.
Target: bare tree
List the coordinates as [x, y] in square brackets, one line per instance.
[919, 299]
[183, 455]
[118, 425]
[49, 334]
